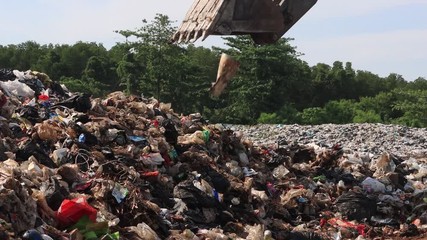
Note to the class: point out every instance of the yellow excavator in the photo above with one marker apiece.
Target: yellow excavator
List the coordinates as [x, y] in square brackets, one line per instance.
[266, 21]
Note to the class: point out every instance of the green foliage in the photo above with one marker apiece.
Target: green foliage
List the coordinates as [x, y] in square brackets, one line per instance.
[410, 119]
[171, 73]
[313, 116]
[339, 112]
[127, 71]
[381, 104]
[269, 118]
[270, 77]
[286, 115]
[273, 84]
[289, 114]
[90, 86]
[413, 105]
[369, 116]
[419, 84]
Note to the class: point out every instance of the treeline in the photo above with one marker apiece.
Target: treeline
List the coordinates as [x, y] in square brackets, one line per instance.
[273, 84]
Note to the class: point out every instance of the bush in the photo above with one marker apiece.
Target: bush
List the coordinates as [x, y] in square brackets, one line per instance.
[89, 86]
[313, 116]
[366, 117]
[288, 114]
[269, 118]
[339, 112]
[409, 119]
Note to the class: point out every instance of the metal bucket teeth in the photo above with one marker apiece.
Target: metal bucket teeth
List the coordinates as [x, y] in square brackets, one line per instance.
[265, 20]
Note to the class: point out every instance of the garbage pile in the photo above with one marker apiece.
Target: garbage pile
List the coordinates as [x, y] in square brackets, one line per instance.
[129, 167]
[365, 138]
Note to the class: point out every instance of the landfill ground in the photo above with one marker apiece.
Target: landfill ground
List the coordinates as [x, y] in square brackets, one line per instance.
[127, 167]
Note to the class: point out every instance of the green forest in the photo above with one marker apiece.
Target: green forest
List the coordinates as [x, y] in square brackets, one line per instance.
[273, 84]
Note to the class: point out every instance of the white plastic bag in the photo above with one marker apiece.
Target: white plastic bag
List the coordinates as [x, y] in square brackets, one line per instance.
[372, 185]
[17, 88]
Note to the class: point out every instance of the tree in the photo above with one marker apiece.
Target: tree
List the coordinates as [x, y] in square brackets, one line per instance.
[367, 84]
[413, 105]
[418, 84]
[322, 84]
[270, 76]
[127, 71]
[394, 81]
[26, 55]
[314, 116]
[369, 116]
[339, 111]
[154, 58]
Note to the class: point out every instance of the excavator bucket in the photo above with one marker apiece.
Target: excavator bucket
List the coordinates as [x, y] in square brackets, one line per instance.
[265, 20]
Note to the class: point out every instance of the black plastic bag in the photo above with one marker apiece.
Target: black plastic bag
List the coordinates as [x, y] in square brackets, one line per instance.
[192, 196]
[30, 113]
[35, 84]
[57, 89]
[6, 74]
[171, 134]
[218, 181]
[31, 148]
[356, 206]
[80, 102]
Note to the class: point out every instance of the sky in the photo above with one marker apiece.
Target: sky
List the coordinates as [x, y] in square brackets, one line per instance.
[380, 36]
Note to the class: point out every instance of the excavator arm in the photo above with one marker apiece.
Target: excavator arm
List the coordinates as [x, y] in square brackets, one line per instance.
[265, 20]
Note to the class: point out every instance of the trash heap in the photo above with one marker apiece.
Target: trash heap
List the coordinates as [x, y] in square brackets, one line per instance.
[129, 167]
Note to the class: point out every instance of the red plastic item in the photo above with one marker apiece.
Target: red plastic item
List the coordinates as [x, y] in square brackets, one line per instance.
[151, 174]
[360, 228]
[168, 160]
[155, 123]
[323, 222]
[71, 211]
[83, 186]
[43, 97]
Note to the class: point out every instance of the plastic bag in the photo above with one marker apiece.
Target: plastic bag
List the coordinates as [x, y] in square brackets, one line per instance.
[152, 159]
[59, 155]
[259, 194]
[46, 131]
[31, 148]
[371, 185]
[144, 232]
[79, 102]
[119, 192]
[235, 170]
[286, 199]
[17, 88]
[6, 74]
[356, 206]
[197, 138]
[383, 165]
[71, 211]
[280, 172]
[360, 228]
[137, 107]
[255, 232]
[243, 157]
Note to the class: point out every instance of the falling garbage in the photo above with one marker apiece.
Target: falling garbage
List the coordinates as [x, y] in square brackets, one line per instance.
[127, 167]
[227, 68]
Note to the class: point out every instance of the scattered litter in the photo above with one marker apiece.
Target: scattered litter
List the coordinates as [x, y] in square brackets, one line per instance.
[128, 167]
